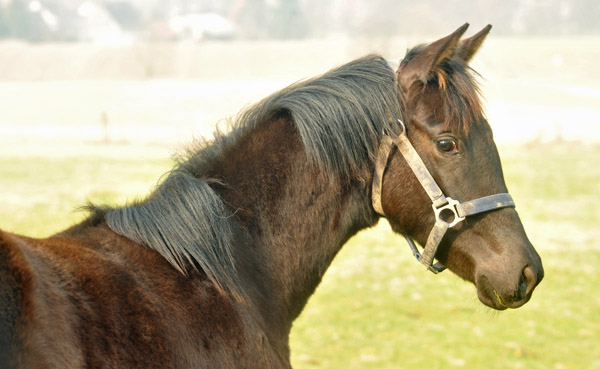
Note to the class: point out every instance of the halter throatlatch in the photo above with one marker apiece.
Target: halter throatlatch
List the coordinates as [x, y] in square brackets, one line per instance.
[448, 212]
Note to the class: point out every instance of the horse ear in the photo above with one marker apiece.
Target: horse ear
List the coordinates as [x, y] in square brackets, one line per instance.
[420, 66]
[468, 47]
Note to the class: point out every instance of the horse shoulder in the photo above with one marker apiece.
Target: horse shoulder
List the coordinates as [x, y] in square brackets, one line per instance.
[173, 320]
[12, 273]
[20, 345]
[93, 298]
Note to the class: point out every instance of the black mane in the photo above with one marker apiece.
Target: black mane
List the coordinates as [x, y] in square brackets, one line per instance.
[340, 118]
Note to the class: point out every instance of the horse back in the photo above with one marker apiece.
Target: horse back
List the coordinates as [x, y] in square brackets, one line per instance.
[90, 298]
[15, 281]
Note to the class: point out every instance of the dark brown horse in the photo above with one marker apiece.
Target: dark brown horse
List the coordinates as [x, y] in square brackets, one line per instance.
[211, 270]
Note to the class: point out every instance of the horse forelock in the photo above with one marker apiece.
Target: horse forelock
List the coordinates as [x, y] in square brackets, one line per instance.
[459, 91]
[340, 118]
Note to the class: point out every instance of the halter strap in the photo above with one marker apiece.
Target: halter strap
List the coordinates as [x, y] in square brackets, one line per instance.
[440, 203]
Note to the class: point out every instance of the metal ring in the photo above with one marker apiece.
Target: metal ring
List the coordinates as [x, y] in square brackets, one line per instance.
[402, 125]
[451, 205]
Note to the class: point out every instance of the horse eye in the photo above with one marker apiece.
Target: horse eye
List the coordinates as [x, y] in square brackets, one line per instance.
[447, 145]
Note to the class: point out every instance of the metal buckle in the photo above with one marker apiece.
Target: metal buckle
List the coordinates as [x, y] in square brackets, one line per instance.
[435, 268]
[451, 205]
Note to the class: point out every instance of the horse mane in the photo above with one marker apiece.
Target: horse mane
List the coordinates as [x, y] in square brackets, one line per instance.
[340, 118]
[459, 88]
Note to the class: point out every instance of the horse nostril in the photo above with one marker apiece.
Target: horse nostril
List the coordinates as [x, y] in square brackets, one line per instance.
[521, 292]
[528, 279]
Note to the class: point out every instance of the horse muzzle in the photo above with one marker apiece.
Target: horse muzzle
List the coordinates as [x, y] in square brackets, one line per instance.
[503, 290]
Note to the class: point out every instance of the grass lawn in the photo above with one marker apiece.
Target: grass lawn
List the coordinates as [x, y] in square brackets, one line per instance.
[378, 308]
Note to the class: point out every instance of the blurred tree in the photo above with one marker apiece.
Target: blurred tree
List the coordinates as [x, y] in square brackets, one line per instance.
[287, 20]
[4, 30]
[251, 18]
[279, 19]
[583, 16]
[284, 19]
[23, 23]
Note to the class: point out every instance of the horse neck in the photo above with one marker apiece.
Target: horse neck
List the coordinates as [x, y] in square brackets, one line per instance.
[295, 217]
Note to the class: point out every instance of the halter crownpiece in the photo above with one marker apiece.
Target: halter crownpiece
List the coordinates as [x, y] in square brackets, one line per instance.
[440, 203]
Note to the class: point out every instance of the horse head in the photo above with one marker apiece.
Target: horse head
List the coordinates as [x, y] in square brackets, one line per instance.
[445, 123]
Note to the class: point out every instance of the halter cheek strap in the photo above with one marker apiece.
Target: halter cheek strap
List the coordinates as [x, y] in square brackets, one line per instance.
[443, 207]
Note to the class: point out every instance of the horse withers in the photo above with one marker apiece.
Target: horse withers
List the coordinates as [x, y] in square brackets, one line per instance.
[214, 266]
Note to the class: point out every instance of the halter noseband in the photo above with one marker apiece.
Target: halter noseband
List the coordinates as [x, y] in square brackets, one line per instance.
[440, 203]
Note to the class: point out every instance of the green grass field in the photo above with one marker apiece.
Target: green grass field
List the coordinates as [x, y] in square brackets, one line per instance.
[378, 308]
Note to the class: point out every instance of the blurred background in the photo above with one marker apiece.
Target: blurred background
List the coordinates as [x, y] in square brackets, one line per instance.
[157, 70]
[95, 95]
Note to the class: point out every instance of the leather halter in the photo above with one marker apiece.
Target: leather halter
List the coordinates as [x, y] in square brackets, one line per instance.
[453, 210]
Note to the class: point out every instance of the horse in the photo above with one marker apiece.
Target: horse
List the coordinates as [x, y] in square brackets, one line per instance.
[211, 269]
